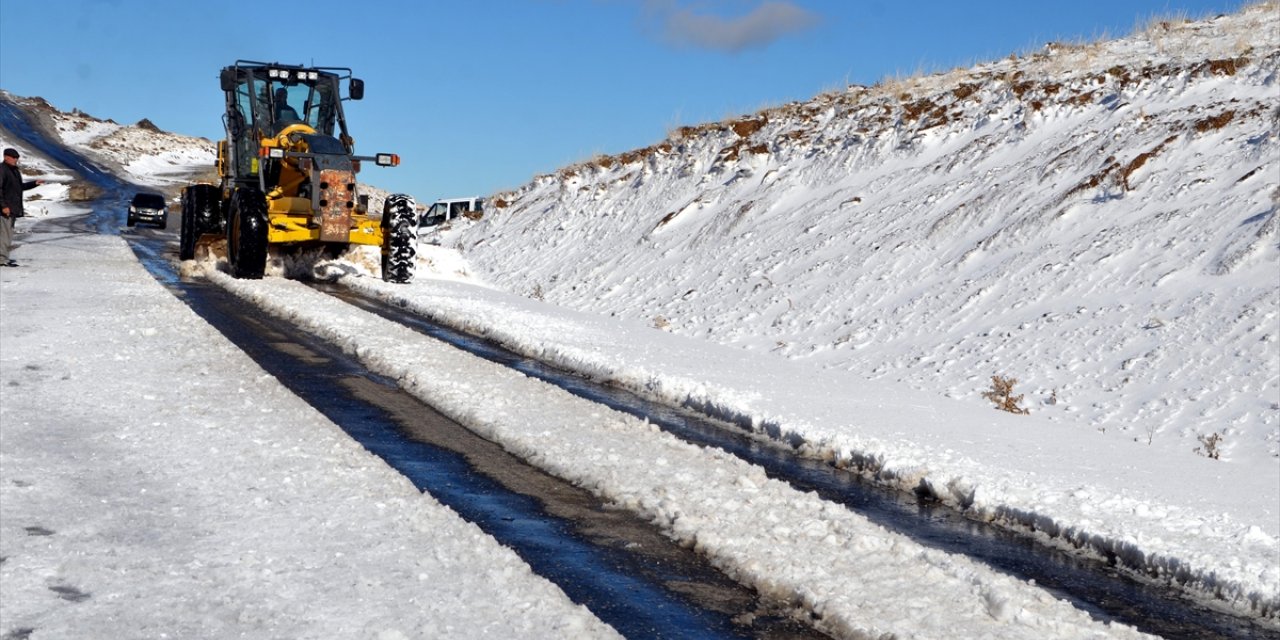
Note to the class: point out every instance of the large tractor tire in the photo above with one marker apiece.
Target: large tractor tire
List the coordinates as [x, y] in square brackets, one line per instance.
[207, 199]
[399, 238]
[247, 234]
[187, 232]
[201, 214]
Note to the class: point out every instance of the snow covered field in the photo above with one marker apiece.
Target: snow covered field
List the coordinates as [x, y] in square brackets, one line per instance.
[1097, 221]
[156, 483]
[847, 274]
[224, 506]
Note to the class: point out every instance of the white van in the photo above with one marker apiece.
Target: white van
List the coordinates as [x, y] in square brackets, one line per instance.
[443, 211]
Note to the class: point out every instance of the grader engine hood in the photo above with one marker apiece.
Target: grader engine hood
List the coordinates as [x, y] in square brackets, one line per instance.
[315, 169]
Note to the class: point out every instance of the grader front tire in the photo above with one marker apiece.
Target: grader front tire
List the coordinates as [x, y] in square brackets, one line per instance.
[399, 239]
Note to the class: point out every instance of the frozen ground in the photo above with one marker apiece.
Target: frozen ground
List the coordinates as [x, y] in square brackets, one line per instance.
[1097, 221]
[846, 274]
[155, 483]
[149, 465]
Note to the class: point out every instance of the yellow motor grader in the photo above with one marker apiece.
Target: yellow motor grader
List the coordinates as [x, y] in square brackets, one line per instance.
[287, 173]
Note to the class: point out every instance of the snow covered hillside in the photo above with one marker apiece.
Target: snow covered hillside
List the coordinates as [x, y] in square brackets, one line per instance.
[140, 152]
[1097, 221]
[847, 275]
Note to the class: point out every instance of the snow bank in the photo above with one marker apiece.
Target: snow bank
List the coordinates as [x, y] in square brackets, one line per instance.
[155, 482]
[856, 578]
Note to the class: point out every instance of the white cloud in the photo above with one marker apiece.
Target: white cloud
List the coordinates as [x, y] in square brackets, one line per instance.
[765, 24]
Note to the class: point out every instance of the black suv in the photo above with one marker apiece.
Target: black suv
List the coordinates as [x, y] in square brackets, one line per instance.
[148, 207]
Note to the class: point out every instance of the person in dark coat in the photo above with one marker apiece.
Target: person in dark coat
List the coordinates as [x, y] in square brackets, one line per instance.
[284, 112]
[11, 187]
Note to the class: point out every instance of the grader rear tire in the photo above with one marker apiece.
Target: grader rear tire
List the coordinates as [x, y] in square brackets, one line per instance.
[201, 214]
[187, 232]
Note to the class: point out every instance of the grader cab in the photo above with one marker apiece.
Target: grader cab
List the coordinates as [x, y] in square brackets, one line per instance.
[288, 175]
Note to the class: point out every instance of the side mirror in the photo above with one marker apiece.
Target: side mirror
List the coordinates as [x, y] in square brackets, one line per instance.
[357, 89]
[228, 79]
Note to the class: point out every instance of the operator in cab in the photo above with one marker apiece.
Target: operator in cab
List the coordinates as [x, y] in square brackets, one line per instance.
[284, 112]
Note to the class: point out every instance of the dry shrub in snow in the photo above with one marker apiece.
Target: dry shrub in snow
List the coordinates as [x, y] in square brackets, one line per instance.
[1209, 446]
[1001, 393]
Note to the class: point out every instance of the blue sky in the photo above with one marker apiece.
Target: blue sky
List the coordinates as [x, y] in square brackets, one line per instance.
[482, 95]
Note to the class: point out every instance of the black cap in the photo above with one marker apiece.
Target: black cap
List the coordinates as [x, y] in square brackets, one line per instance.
[11, 152]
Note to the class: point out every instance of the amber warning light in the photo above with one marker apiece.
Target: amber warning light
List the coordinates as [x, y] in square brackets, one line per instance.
[387, 160]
